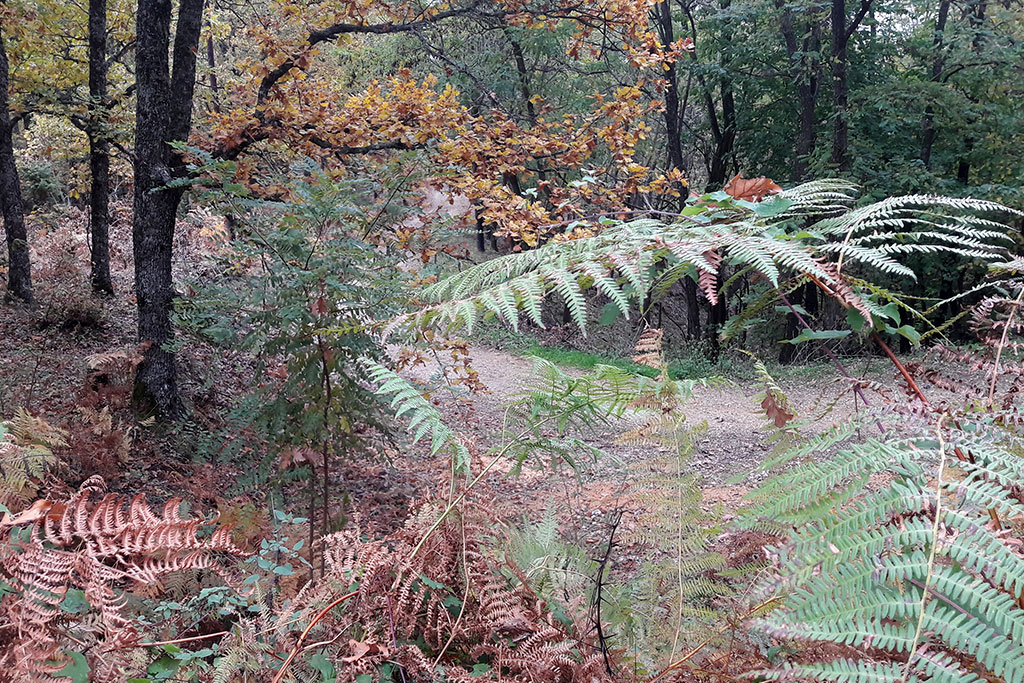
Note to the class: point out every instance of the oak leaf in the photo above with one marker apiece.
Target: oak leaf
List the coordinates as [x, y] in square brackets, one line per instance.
[751, 189]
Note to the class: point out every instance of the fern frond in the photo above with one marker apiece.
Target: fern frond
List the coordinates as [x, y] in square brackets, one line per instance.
[424, 419]
[913, 565]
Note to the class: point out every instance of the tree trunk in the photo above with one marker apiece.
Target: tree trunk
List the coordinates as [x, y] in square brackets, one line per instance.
[841, 34]
[211, 62]
[840, 88]
[163, 115]
[19, 275]
[976, 11]
[725, 138]
[807, 296]
[928, 132]
[805, 71]
[673, 115]
[99, 154]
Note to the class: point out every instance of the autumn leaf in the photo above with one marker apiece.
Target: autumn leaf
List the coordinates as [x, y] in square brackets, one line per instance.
[36, 512]
[360, 650]
[775, 411]
[751, 189]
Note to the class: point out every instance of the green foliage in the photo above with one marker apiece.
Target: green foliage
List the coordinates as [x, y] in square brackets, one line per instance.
[41, 185]
[801, 240]
[301, 291]
[26, 457]
[914, 564]
[424, 419]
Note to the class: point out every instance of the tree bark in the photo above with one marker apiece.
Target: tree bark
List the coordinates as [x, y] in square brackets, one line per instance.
[99, 150]
[163, 115]
[805, 69]
[666, 32]
[976, 11]
[725, 138]
[673, 116]
[211, 62]
[841, 34]
[928, 132]
[19, 275]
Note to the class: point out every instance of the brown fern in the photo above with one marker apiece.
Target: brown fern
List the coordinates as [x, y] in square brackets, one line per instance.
[648, 350]
[451, 596]
[100, 547]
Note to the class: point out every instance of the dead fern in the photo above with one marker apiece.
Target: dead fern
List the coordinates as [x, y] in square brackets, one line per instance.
[100, 549]
[648, 350]
[446, 612]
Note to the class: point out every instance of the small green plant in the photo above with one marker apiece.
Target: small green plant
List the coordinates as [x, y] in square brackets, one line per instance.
[302, 288]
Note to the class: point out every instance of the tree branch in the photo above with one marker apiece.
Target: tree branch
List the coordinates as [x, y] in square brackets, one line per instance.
[865, 7]
[332, 32]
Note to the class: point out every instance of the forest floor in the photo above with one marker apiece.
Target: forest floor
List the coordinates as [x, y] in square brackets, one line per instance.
[587, 499]
[44, 368]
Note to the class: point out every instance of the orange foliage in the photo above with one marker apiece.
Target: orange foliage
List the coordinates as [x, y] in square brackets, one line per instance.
[287, 103]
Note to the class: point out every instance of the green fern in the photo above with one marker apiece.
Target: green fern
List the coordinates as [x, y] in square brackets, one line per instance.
[26, 456]
[424, 419]
[912, 565]
[618, 262]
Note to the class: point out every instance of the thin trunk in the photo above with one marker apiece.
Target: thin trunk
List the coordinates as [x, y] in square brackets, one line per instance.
[976, 16]
[211, 62]
[928, 132]
[724, 145]
[840, 94]
[99, 154]
[807, 296]
[805, 69]
[726, 138]
[841, 35]
[523, 76]
[163, 115]
[19, 273]
[671, 113]
[963, 166]
[674, 116]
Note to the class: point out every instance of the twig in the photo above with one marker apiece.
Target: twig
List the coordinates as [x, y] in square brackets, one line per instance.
[999, 349]
[298, 645]
[394, 639]
[602, 564]
[465, 598]
[707, 641]
[182, 640]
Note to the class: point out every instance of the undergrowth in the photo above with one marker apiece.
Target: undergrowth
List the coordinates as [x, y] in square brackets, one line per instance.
[899, 541]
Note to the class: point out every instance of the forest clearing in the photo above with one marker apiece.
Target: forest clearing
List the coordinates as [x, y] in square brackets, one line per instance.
[534, 341]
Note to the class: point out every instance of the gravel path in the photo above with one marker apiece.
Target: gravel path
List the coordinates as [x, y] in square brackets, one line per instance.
[733, 446]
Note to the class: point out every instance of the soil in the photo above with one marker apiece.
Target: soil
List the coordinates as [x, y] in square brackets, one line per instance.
[726, 459]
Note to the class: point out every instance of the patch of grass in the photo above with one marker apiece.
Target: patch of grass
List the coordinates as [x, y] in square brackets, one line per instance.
[677, 369]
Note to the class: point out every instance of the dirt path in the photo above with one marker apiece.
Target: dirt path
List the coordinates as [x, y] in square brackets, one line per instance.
[733, 446]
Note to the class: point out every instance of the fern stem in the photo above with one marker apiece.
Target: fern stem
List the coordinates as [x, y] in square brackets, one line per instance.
[999, 349]
[465, 599]
[931, 551]
[476, 480]
[961, 456]
[182, 640]
[298, 645]
[707, 641]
